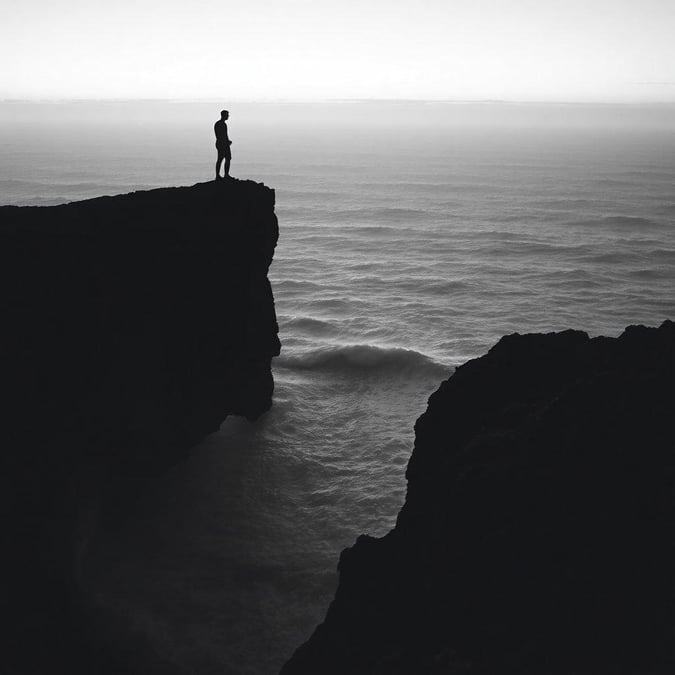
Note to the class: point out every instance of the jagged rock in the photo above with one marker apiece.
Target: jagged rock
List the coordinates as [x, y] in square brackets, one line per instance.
[537, 531]
[132, 326]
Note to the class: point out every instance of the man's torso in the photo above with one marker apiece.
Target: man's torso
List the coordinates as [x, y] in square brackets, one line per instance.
[221, 133]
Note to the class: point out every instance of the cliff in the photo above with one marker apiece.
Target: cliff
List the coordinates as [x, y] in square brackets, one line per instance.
[537, 531]
[132, 326]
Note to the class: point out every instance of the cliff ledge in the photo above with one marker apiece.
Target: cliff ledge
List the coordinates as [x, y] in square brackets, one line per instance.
[132, 326]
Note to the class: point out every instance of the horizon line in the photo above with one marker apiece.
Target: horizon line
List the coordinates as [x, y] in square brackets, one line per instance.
[291, 101]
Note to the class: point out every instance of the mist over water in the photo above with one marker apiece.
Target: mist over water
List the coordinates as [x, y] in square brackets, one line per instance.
[406, 247]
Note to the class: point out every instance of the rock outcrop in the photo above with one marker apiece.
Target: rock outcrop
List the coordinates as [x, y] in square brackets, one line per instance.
[132, 326]
[537, 532]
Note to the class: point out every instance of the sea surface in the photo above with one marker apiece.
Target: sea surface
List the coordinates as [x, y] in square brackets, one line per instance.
[405, 249]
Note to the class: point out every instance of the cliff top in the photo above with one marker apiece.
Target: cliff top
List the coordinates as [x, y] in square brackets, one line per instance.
[229, 197]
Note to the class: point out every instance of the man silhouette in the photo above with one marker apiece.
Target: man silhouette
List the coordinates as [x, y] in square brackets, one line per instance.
[223, 144]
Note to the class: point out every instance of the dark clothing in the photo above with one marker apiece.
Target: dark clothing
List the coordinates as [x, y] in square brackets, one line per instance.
[221, 133]
[223, 147]
[222, 139]
[223, 150]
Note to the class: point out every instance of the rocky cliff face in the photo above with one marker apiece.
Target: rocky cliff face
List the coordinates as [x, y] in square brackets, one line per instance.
[537, 532]
[132, 326]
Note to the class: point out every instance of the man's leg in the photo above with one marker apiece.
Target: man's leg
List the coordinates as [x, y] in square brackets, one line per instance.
[218, 163]
[228, 158]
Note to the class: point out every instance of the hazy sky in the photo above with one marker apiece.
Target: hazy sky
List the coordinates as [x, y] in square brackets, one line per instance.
[562, 50]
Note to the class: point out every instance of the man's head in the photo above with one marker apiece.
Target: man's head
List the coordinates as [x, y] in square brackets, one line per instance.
[224, 114]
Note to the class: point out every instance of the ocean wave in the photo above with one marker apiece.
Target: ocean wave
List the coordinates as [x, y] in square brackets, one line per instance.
[404, 185]
[608, 257]
[336, 304]
[314, 195]
[383, 213]
[363, 357]
[298, 284]
[561, 203]
[611, 182]
[308, 324]
[446, 286]
[380, 230]
[628, 221]
[63, 185]
[39, 201]
[617, 223]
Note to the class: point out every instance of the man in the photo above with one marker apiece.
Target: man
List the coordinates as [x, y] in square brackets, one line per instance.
[223, 144]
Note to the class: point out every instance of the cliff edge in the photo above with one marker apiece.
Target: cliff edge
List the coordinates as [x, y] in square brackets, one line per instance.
[132, 326]
[537, 532]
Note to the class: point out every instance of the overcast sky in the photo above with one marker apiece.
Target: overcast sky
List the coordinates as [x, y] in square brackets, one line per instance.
[545, 50]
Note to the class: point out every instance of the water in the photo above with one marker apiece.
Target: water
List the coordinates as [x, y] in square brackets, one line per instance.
[404, 251]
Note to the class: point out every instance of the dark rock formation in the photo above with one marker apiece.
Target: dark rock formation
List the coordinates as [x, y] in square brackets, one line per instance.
[132, 326]
[537, 532]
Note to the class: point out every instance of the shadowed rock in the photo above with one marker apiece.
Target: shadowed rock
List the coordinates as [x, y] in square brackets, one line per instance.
[132, 326]
[537, 531]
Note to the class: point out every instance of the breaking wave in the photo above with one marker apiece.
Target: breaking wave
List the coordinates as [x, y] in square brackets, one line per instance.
[370, 358]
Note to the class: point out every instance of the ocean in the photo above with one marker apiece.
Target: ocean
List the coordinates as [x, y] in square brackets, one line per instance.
[412, 237]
